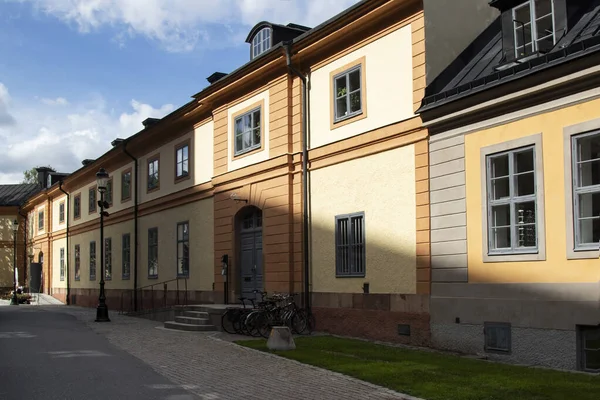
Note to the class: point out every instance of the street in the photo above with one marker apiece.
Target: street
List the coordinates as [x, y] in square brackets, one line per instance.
[45, 354]
[59, 352]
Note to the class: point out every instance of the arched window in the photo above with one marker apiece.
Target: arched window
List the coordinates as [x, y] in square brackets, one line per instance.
[261, 42]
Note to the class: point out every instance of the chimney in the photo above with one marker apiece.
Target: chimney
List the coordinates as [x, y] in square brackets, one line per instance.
[215, 77]
[117, 142]
[87, 162]
[150, 121]
[43, 173]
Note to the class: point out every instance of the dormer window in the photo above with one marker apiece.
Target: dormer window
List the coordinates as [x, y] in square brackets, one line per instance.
[261, 42]
[534, 27]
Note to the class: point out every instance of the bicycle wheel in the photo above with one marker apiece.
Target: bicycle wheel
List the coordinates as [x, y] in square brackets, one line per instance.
[299, 322]
[252, 323]
[227, 322]
[264, 324]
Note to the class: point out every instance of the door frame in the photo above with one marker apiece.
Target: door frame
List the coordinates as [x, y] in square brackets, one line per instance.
[239, 218]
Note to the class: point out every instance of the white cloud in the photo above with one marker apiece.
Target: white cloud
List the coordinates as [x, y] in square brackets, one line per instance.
[64, 136]
[5, 117]
[183, 25]
[59, 101]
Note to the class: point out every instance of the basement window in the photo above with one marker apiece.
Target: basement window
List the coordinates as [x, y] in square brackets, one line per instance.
[497, 337]
[589, 348]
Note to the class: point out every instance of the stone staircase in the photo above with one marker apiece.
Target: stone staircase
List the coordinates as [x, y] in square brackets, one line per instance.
[193, 319]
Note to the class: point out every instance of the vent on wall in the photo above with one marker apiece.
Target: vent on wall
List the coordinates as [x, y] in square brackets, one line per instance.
[404, 329]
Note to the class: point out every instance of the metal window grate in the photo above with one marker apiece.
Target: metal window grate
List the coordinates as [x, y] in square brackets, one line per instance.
[62, 264]
[350, 244]
[108, 259]
[77, 262]
[497, 337]
[183, 249]
[126, 256]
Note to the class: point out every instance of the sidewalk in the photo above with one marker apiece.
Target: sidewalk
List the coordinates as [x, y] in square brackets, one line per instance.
[214, 368]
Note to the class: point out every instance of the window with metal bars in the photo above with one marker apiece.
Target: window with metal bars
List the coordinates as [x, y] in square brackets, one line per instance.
[126, 256]
[183, 249]
[586, 190]
[589, 348]
[350, 255]
[512, 202]
[77, 262]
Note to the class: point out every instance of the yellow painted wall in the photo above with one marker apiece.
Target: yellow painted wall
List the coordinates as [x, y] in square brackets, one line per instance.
[389, 81]
[200, 217]
[383, 186]
[556, 267]
[56, 246]
[203, 153]
[6, 267]
[259, 156]
[56, 225]
[115, 232]
[6, 227]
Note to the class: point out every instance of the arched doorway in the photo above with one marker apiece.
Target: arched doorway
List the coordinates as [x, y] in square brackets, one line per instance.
[250, 246]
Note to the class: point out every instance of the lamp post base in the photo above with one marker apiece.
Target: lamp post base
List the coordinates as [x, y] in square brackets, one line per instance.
[14, 301]
[102, 313]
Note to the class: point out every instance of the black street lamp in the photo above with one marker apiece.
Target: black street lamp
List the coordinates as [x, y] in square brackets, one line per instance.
[14, 301]
[102, 309]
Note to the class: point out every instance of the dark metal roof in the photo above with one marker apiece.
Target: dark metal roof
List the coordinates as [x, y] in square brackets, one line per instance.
[485, 68]
[15, 195]
[299, 29]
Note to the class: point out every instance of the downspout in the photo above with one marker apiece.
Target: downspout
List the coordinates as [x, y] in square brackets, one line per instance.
[60, 183]
[24, 248]
[303, 78]
[135, 224]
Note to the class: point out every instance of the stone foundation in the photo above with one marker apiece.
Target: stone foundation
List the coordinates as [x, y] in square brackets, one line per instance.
[386, 317]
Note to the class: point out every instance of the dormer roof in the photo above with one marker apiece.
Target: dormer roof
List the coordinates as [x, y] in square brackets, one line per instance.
[292, 30]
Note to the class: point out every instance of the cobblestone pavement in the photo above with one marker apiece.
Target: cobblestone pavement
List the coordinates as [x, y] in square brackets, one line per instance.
[214, 368]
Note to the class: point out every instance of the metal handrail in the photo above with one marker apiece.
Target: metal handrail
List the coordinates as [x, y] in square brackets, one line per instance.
[180, 300]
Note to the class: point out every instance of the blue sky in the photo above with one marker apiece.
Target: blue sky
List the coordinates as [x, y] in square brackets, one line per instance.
[75, 74]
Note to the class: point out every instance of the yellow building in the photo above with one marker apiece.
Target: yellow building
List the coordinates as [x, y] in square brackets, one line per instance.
[303, 171]
[515, 210]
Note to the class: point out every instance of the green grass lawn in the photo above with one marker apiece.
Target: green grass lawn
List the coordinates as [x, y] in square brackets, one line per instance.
[436, 376]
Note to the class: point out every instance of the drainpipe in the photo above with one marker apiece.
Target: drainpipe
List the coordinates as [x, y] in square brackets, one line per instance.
[60, 183]
[303, 78]
[24, 248]
[135, 225]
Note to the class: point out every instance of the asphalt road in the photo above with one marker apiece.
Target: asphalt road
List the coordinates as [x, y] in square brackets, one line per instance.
[51, 355]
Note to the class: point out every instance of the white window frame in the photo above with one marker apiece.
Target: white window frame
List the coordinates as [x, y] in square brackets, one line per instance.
[253, 146]
[533, 27]
[528, 254]
[261, 42]
[569, 132]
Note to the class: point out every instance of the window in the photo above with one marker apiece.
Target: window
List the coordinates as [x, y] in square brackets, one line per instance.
[586, 190]
[497, 337]
[108, 195]
[77, 206]
[126, 256]
[589, 348]
[77, 263]
[92, 261]
[247, 131]
[350, 254]
[534, 27]
[512, 202]
[92, 200]
[182, 161]
[153, 253]
[61, 212]
[261, 42]
[40, 220]
[126, 185]
[183, 249]
[108, 259]
[153, 180]
[62, 264]
[347, 93]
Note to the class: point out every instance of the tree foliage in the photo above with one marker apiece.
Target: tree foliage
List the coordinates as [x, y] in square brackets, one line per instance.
[31, 175]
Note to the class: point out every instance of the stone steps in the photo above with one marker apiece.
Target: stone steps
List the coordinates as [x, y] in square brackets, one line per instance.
[196, 321]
